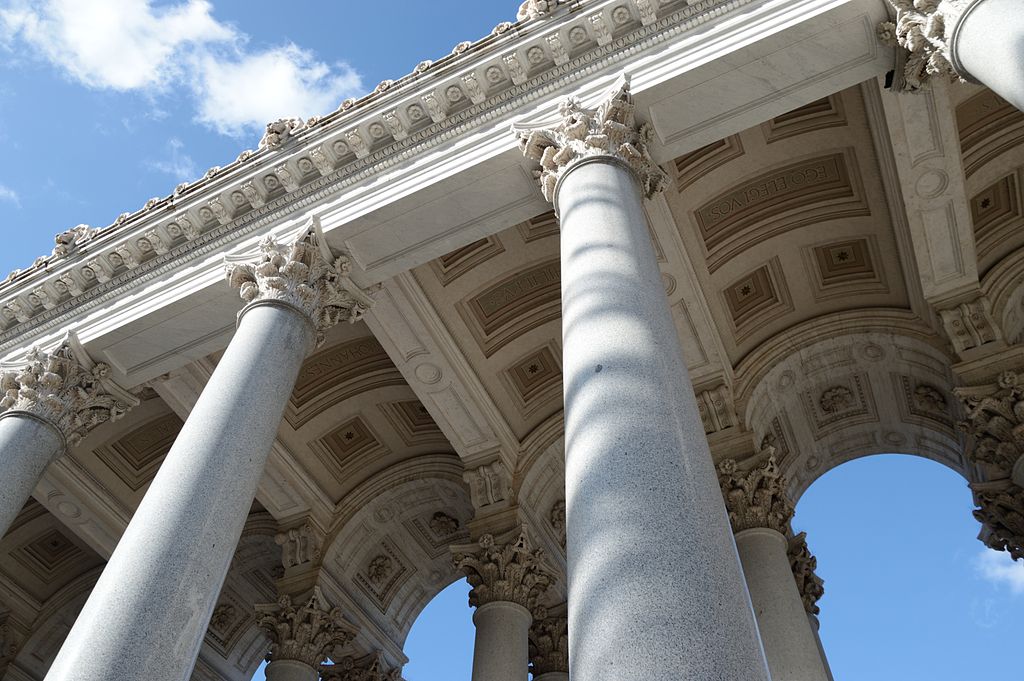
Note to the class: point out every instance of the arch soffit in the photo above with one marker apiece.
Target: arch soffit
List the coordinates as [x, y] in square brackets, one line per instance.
[1004, 286]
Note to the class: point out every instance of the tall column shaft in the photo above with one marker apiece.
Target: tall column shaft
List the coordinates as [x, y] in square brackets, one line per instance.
[987, 45]
[501, 647]
[815, 625]
[291, 670]
[28, 444]
[789, 642]
[147, 614]
[655, 586]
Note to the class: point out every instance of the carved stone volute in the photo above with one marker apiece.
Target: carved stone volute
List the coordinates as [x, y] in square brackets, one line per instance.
[503, 570]
[303, 274]
[549, 643]
[755, 498]
[65, 388]
[308, 632]
[803, 563]
[610, 131]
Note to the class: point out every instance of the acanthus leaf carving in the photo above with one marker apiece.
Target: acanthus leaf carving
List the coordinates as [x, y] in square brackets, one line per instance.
[503, 569]
[803, 563]
[1001, 514]
[304, 274]
[557, 516]
[65, 388]
[549, 644]
[372, 667]
[535, 9]
[309, 632]
[755, 498]
[995, 421]
[923, 28]
[278, 132]
[610, 130]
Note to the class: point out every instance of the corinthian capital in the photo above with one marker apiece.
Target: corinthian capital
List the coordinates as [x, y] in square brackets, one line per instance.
[923, 28]
[308, 632]
[503, 570]
[1001, 514]
[755, 498]
[65, 388]
[549, 644]
[803, 563]
[610, 130]
[303, 274]
[372, 667]
[995, 421]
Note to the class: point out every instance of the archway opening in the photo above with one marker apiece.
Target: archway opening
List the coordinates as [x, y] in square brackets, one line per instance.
[910, 593]
[440, 643]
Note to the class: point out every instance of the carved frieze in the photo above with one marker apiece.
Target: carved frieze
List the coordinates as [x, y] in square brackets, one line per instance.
[505, 570]
[610, 130]
[995, 422]
[755, 498]
[308, 632]
[803, 563]
[549, 644]
[305, 275]
[65, 388]
[1001, 514]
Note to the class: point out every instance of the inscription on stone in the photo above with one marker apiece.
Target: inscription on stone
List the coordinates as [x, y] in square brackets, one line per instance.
[521, 286]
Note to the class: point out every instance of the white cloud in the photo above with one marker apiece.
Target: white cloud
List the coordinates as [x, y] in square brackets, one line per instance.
[129, 45]
[997, 567]
[179, 165]
[8, 194]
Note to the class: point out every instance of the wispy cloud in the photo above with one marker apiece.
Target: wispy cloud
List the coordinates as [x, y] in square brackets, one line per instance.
[9, 195]
[178, 164]
[131, 46]
[998, 568]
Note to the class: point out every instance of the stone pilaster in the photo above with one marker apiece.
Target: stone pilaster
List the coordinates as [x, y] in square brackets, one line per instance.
[924, 29]
[1001, 514]
[549, 644]
[610, 131]
[803, 564]
[755, 498]
[307, 632]
[995, 422]
[65, 388]
[303, 274]
[503, 569]
[372, 667]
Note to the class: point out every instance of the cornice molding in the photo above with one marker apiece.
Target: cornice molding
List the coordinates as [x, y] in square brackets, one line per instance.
[208, 215]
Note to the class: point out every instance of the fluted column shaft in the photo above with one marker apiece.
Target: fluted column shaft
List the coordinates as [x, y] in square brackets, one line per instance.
[28, 444]
[789, 642]
[987, 45]
[146, 617]
[501, 646]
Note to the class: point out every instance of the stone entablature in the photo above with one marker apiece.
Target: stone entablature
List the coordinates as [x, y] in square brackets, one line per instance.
[65, 388]
[504, 569]
[301, 164]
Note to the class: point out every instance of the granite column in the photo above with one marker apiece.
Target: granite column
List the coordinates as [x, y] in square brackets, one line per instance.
[147, 614]
[47, 403]
[655, 585]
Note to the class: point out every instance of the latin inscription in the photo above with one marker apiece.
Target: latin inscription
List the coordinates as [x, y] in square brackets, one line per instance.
[522, 286]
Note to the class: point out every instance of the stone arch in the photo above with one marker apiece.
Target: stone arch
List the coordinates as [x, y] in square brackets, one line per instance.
[838, 389]
[1004, 286]
[540, 488]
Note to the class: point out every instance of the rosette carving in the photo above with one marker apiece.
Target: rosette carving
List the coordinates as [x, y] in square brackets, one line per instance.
[305, 275]
[755, 498]
[610, 130]
[65, 388]
[549, 644]
[503, 571]
[995, 420]
[308, 632]
[923, 28]
[803, 563]
[1001, 514]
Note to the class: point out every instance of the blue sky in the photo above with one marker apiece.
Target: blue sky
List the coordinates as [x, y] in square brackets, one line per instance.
[104, 104]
